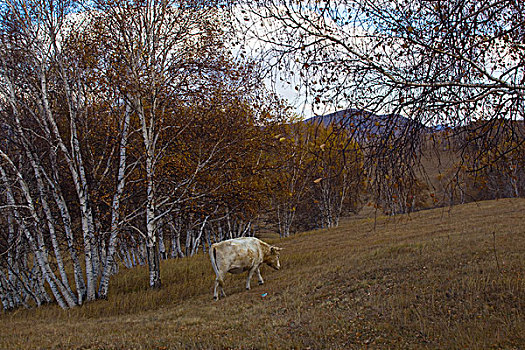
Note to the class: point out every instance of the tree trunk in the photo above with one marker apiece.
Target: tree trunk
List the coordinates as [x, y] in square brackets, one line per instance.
[153, 263]
[76, 169]
[38, 245]
[162, 247]
[115, 208]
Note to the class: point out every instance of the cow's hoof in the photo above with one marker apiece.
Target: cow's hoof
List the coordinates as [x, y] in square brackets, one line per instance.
[247, 288]
[215, 298]
[261, 283]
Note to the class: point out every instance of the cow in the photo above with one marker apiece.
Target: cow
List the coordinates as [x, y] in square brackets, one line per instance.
[241, 254]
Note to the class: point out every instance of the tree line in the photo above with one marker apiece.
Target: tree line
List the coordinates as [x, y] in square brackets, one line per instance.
[131, 133]
[134, 132]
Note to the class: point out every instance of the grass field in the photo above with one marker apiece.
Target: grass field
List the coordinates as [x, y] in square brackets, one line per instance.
[450, 278]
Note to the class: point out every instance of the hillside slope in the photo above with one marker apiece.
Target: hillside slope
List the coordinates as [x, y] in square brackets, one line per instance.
[362, 123]
[443, 278]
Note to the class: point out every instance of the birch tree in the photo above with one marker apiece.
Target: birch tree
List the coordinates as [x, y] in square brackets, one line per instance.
[45, 121]
[30, 36]
[155, 42]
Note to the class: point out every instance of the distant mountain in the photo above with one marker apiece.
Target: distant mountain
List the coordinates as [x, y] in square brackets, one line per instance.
[363, 124]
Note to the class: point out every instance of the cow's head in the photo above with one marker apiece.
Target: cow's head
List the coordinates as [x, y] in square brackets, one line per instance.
[273, 258]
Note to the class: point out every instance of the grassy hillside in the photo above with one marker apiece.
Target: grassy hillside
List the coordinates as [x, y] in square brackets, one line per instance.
[444, 278]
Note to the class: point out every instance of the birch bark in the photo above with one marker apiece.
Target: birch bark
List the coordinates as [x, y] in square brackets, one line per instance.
[115, 207]
[36, 243]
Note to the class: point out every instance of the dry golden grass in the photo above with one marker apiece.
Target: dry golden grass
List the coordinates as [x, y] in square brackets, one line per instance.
[428, 280]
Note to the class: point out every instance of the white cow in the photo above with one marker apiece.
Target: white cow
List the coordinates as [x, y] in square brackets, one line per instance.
[241, 254]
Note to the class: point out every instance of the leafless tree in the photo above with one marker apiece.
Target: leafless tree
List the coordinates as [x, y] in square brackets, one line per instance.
[435, 63]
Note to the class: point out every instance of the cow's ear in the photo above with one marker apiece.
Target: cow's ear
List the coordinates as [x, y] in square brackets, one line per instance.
[276, 249]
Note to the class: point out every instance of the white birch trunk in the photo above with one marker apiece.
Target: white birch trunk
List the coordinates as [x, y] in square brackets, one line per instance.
[187, 245]
[60, 202]
[126, 254]
[115, 208]
[37, 245]
[148, 137]
[162, 247]
[7, 293]
[199, 237]
[66, 222]
[80, 186]
[52, 231]
[41, 252]
[45, 207]
[175, 241]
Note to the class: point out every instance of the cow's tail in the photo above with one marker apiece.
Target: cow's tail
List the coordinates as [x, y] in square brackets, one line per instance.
[213, 256]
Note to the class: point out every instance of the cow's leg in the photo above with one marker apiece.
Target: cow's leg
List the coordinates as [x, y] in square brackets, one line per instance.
[215, 294]
[259, 277]
[250, 274]
[219, 282]
[222, 290]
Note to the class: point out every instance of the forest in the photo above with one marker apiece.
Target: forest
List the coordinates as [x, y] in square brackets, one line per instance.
[138, 131]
